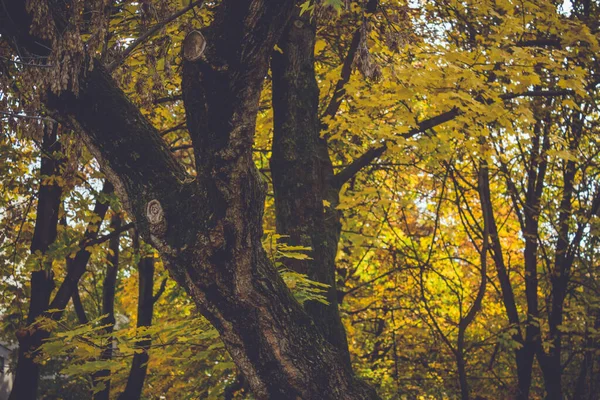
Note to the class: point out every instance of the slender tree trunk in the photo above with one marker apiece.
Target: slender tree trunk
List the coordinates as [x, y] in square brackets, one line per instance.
[77, 266]
[108, 309]
[483, 188]
[567, 244]
[525, 355]
[139, 365]
[524, 359]
[42, 280]
[462, 376]
[588, 377]
[27, 372]
[581, 387]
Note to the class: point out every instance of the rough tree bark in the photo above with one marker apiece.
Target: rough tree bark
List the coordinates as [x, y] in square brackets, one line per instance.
[208, 228]
[303, 173]
[303, 176]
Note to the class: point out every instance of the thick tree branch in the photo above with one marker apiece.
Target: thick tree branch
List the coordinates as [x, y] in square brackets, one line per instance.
[351, 170]
[224, 84]
[367, 158]
[78, 305]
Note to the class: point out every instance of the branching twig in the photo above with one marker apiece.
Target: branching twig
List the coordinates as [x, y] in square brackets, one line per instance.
[13, 115]
[109, 236]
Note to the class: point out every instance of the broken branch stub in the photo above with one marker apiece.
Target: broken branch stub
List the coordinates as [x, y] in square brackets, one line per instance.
[154, 212]
[194, 45]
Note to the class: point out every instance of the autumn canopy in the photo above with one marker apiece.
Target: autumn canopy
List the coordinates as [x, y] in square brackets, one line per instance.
[278, 199]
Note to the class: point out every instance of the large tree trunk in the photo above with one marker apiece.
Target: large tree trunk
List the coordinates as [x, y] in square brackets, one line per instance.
[42, 281]
[208, 228]
[302, 173]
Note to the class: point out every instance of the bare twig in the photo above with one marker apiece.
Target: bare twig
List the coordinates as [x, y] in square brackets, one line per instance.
[169, 99]
[13, 115]
[102, 239]
[173, 129]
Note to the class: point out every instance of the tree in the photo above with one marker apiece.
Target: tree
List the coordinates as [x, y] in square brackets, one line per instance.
[211, 241]
[177, 106]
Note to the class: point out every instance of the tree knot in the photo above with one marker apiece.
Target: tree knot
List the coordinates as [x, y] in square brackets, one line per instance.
[154, 212]
[194, 45]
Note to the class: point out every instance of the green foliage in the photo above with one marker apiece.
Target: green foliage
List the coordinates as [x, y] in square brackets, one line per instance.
[303, 288]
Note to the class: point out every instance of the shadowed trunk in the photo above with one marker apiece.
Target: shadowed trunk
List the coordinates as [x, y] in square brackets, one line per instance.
[139, 365]
[525, 355]
[108, 309]
[567, 245]
[40, 301]
[302, 173]
[305, 187]
[42, 280]
[528, 212]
